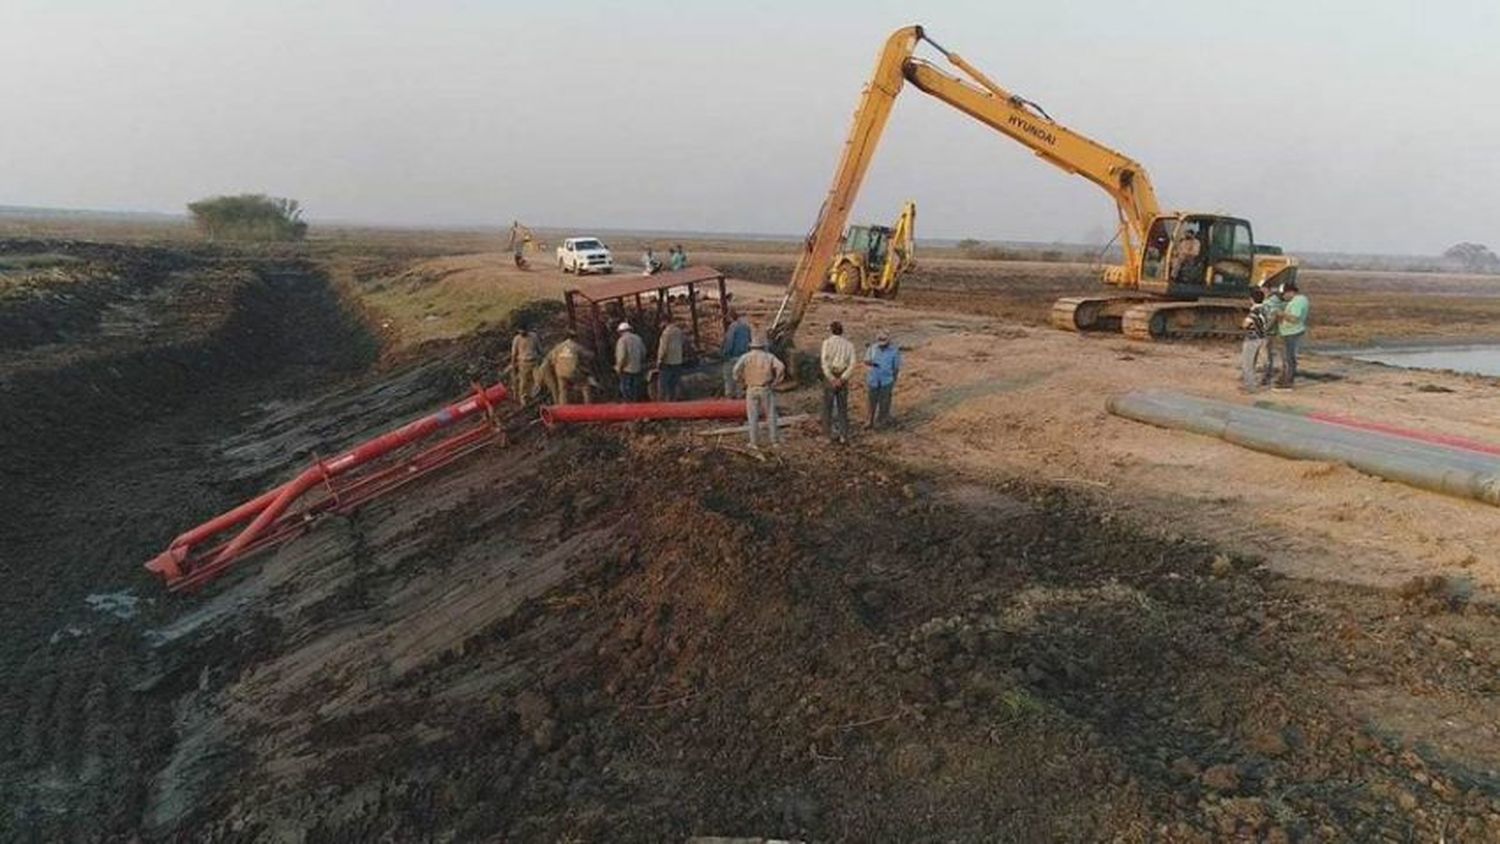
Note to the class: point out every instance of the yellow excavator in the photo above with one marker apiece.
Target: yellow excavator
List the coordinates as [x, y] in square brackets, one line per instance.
[1184, 275]
[873, 258]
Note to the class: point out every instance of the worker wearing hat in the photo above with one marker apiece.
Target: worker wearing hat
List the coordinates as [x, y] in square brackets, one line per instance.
[630, 362]
[884, 362]
[525, 354]
[1291, 327]
[758, 371]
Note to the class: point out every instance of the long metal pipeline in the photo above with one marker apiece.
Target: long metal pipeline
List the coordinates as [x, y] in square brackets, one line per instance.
[569, 414]
[1454, 469]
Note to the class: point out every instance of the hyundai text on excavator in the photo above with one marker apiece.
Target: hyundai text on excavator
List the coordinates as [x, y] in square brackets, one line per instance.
[873, 258]
[1184, 274]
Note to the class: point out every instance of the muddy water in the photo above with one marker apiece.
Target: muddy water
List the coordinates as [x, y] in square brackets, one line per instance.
[1480, 360]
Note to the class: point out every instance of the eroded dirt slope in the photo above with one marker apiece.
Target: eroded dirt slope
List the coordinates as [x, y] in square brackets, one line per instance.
[639, 639]
[109, 445]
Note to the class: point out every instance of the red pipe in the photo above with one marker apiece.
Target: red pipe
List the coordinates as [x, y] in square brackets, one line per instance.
[563, 414]
[269, 506]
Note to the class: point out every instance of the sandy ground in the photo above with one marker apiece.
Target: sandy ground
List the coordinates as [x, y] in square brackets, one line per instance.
[986, 395]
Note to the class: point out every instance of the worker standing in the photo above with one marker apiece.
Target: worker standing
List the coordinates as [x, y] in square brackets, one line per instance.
[630, 362]
[520, 238]
[525, 354]
[1254, 342]
[884, 362]
[736, 343]
[678, 258]
[1271, 307]
[669, 347]
[1292, 327]
[759, 371]
[566, 363]
[649, 263]
[837, 360]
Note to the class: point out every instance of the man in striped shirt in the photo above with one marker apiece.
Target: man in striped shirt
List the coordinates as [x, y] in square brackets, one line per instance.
[1255, 341]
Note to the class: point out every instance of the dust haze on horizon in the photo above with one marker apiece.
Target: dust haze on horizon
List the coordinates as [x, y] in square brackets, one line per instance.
[1361, 127]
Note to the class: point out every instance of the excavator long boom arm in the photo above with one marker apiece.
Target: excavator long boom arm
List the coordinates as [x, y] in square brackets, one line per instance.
[1019, 119]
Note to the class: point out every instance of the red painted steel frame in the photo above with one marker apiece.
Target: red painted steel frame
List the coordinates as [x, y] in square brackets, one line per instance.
[272, 518]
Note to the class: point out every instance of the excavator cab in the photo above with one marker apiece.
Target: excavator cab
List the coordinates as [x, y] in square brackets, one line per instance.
[873, 242]
[861, 261]
[1189, 256]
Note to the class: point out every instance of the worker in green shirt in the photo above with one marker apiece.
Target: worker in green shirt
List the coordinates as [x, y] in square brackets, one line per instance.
[1292, 327]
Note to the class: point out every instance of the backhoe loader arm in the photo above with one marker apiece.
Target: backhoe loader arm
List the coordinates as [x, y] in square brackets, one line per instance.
[869, 123]
[902, 251]
[1017, 118]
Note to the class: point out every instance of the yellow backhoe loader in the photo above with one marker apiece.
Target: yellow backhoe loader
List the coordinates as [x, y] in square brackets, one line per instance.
[1184, 275]
[873, 258]
[521, 242]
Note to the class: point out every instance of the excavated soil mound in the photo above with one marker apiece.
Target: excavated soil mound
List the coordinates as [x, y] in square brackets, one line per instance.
[643, 638]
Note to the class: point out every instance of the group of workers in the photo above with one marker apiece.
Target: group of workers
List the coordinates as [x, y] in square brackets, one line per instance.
[750, 372]
[563, 371]
[1275, 328]
[753, 372]
[676, 260]
[631, 362]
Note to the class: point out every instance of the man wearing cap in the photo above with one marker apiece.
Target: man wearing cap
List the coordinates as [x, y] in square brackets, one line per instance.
[1292, 327]
[759, 370]
[669, 357]
[630, 361]
[525, 354]
[736, 343]
[837, 359]
[884, 362]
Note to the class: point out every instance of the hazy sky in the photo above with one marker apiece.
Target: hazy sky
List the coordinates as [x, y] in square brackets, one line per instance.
[1370, 125]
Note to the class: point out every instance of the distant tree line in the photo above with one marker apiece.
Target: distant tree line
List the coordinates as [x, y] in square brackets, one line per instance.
[1473, 258]
[249, 216]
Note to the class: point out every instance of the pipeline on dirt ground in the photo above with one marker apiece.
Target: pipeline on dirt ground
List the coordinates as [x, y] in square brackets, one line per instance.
[273, 517]
[1416, 460]
[568, 414]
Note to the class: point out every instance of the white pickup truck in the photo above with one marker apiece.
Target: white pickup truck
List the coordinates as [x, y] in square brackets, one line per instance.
[584, 255]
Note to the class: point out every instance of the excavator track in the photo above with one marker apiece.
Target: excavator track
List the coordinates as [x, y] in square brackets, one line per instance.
[1093, 313]
[1202, 320]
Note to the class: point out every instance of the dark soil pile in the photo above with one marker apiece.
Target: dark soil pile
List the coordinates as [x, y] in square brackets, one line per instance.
[822, 647]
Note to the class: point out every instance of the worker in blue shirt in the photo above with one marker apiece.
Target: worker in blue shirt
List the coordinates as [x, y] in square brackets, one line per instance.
[884, 362]
[736, 344]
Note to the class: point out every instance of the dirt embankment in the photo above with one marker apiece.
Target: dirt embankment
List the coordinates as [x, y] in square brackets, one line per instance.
[110, 443]
[639, 638]
[143, 333]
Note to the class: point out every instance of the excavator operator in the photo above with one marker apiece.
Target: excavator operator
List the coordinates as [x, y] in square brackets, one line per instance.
[1185, 255]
